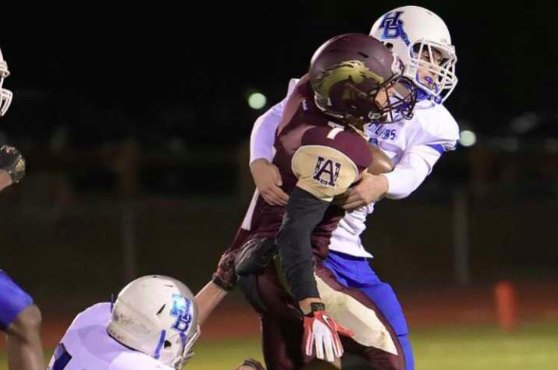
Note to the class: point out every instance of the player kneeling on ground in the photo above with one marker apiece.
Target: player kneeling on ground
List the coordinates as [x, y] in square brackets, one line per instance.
[152, 325]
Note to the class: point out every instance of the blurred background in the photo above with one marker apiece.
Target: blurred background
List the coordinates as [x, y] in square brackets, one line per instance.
[135, 123]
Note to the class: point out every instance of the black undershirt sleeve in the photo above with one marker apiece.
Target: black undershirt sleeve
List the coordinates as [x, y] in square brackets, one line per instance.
[304, 212]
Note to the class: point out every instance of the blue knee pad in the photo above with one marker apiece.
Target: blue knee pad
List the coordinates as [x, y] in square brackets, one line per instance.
[13, 300]
[356, 272]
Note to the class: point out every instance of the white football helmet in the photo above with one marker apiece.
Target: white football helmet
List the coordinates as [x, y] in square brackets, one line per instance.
[417, 35]
[156, 315]
[5, 95]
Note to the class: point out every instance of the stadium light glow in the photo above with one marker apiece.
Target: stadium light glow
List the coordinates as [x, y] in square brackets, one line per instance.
[257, 100]
[467, 138]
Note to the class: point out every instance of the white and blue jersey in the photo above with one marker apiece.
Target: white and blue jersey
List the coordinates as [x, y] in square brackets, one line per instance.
[86, 345]
[414, 146]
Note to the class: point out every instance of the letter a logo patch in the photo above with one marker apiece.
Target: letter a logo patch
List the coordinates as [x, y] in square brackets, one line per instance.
[326, 171]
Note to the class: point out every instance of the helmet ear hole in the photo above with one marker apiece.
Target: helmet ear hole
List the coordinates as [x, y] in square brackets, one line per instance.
[389, 45]
[153, 315]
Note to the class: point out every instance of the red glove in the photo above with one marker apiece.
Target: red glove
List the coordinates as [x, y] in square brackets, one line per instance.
[225, 275]
[321, 333]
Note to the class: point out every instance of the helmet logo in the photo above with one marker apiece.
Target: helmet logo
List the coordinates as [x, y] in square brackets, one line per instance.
[393, 27]
[181, 310]
[353, 70]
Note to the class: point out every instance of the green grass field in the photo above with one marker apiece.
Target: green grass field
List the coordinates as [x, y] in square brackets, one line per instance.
[532, 347]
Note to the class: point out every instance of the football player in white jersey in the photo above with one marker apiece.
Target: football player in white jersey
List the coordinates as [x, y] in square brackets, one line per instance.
[152, 326]
[20, 318]
[422, 41]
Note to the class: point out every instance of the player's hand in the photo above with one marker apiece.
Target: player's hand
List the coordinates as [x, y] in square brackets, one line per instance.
[251, 364]
[321, 334]
[5, 180]
[225, 275]
[370, 188]
[12, 162]
[268, 181]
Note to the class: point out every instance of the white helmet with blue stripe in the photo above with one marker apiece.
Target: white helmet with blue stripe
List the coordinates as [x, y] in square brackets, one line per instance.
[5, 95]
[156, 315]
[422, 41]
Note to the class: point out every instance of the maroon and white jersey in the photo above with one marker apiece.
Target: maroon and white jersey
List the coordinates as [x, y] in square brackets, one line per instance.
[315, 154]
[413, 145]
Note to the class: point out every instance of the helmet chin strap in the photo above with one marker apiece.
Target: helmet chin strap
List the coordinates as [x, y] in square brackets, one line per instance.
[422, 94]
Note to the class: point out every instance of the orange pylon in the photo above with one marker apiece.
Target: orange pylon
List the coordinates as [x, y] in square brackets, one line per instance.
[507, 309]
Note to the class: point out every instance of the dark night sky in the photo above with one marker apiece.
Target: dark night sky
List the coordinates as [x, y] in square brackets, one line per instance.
[111, 71]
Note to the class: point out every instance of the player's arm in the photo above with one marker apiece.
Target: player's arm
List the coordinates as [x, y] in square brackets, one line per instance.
[436, 137]
[236, 260]
[265, 174]
[208, 299]
[411, 171]
[415, 165]
[304, 212]
[224, 278]
[262, 139]
[12, 166]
